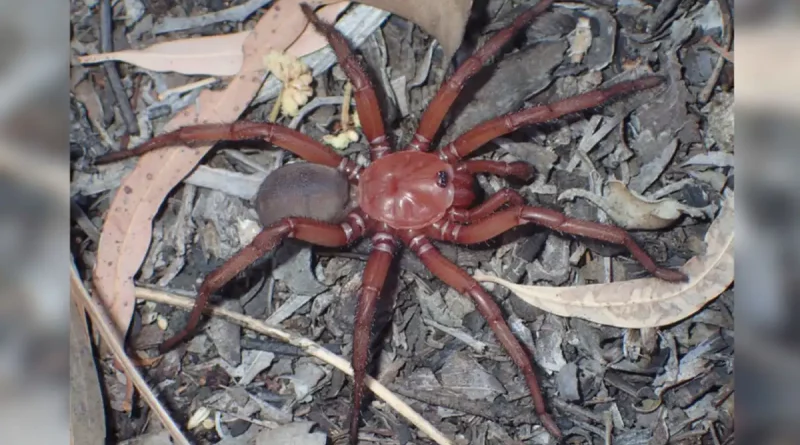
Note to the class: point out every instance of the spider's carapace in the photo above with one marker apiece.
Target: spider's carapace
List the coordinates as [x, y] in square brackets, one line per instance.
[407, 189]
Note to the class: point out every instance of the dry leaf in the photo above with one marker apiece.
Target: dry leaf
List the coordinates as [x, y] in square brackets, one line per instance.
[220, 55]
[633, 211]
[647, 302]
[445, 20]
[214, 55]
[127, 228]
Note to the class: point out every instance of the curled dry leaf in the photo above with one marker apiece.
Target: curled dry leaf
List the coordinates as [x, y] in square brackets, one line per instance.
[127, 228]
[220, 55]
[647, 302]
[633, 211]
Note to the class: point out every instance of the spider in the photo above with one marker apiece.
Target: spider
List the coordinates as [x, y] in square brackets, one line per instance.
[412, 196]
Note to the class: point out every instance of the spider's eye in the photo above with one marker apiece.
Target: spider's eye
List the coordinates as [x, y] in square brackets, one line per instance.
[441, 179]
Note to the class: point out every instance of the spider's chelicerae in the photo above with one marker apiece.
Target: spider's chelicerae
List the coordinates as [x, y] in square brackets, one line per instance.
[411, 196]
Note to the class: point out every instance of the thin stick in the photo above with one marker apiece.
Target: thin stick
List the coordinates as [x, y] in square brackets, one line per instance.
[102, 323]
[348, 92]
[106, 45]
[311, 348]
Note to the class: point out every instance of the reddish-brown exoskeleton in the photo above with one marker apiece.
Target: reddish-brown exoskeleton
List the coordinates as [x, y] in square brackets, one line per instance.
[412, 196]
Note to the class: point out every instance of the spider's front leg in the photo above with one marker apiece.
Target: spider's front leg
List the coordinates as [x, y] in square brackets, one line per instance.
[505, 220]
[494, 128]
[305, 229]
[369, 110]
[460, 280]
[375, 272]
[294, 141]
[432, 119]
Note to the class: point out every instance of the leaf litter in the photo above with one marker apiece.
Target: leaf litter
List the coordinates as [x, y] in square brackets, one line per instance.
[549, 336]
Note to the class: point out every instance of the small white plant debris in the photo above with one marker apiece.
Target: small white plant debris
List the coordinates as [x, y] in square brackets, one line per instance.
[341, 140]
[296, 79]
[201, 415]
[580, 40]
[162, 322]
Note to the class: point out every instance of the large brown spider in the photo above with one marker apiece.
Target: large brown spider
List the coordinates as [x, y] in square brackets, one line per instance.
[412, 196]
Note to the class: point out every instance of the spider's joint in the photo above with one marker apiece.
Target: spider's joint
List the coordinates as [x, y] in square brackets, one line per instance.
[348, 231]
[360, 221]
[384, 242]
[349, 168]
[449, 153]
[419, 142]
[414, 244]
[424, 248]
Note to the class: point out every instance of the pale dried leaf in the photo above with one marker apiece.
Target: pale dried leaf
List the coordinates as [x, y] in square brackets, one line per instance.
[445, 20]
[580, 40]
[715, 158]
[213, 55]
[253, 363]
[633, 211]
[220, 55]
[647, 302]
[127, 229]
[462, 373]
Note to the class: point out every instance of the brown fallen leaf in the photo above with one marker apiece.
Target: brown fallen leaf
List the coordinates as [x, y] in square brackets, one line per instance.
[647, 302]
[127, 228]
[445, 20]
[220, 55]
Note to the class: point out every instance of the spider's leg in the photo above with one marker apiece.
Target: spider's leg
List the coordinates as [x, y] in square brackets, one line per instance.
[439, 106]
[493, 128]
[482, 210]
[505, 220]
[309, 230]
[461, 281]
[369, 110]
[286, 138]
[377, 268]
[520, 170]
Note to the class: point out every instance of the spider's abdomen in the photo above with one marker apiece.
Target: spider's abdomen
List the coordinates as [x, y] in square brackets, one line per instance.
[406, 189]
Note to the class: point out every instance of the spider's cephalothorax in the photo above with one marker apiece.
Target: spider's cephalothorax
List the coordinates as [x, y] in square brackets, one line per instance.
[413, 196]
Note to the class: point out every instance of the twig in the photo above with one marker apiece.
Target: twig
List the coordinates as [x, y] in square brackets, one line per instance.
[425, 69]
[102, 324]
[311, 348]
[726, 39]
[106, 46]
[234, 14]
[188, 87]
